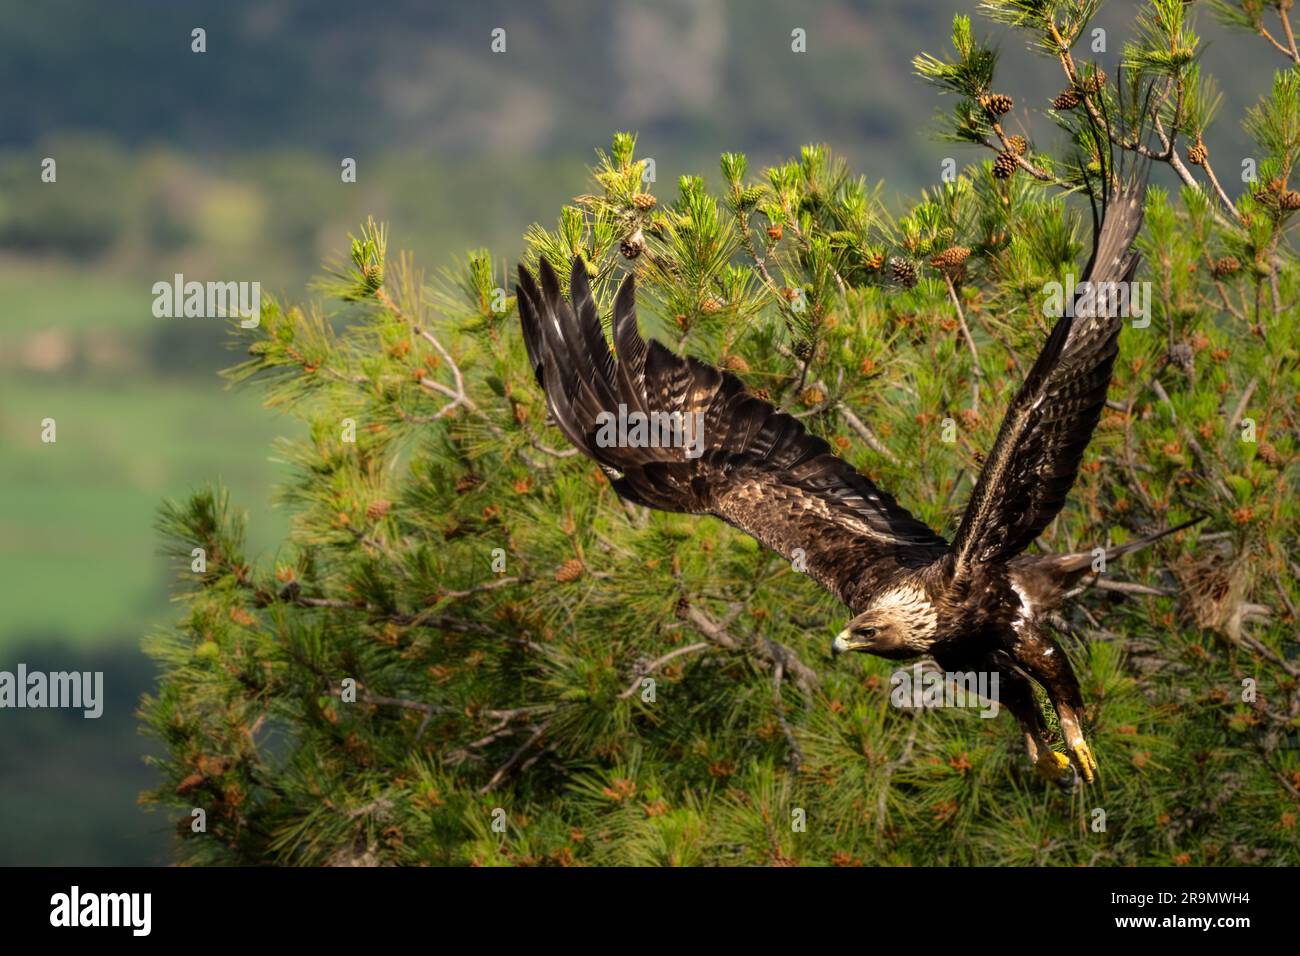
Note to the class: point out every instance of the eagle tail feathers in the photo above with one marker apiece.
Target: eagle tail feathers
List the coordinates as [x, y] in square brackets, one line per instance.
[1082, 561]
[1051, 575]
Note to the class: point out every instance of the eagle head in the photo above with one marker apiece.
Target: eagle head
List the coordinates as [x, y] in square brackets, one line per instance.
[899, 623]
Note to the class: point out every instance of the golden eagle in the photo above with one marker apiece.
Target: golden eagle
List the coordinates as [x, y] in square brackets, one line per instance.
[975, 604]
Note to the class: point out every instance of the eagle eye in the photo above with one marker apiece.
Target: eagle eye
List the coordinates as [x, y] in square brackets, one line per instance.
[868, 632]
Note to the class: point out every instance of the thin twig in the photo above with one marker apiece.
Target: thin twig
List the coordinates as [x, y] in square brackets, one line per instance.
[854, 422]
[768, 652]
[504, 770]
[654, 665]
[796, 754]
[1240, 410]
[977, 371]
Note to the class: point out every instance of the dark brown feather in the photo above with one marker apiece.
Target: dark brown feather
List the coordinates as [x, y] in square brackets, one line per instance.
[759, 469]
[1036, 456]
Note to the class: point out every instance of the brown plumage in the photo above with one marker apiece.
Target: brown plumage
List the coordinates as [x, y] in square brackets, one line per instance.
[976, 604]
[757, 468]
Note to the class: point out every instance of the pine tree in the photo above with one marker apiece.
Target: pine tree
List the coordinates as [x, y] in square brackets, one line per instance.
[470, 650]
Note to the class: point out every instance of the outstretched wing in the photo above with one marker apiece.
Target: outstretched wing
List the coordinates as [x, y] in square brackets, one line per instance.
[737, 458]
[1049, 423]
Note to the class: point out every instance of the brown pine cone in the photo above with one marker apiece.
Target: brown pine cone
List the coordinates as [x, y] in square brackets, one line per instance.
[1095, 81]
[903, 271]
[633, 245]
[570, 570]
[1019, 145]
[1197, 154]
[644, 201]
[1290, 200]
[1066, 100]
[1225, 266]
[1005, 165]
[735, 363]
[950, 259]
[996, 104]
[774, 232]
[1270, 194]
[377, 509]
[1268, 453]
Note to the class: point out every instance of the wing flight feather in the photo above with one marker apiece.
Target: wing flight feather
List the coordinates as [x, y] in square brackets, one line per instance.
[749, 464]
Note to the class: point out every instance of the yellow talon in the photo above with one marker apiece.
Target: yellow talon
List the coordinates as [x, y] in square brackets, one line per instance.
[1051, 765]
[1087, 762]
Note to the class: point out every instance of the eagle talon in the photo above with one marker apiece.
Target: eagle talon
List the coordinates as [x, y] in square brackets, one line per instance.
[1052, 766]
[1084, 758]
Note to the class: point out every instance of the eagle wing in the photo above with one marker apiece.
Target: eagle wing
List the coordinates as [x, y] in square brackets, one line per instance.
[741, 459]
[1049, 423]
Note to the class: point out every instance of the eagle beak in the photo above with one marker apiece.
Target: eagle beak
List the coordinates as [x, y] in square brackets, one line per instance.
[841, 643]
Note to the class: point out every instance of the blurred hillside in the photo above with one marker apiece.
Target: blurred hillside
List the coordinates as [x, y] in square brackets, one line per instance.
[230, 159]
[239, 148]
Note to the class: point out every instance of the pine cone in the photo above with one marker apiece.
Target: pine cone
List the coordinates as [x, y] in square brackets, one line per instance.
[1066, 100]
[803, 349]
[1225, 266]
[1290, 200]
[996, 104]
[735, 363]
[904, 271]
[1019, 145]
[633, 245]
[1005, 165]
[950, 259]
[1095, 81]
[812, 396]
[570, 570]
[377, 509]
[1268, 454]
[774, 232]
[644, 201]
[1197, 154]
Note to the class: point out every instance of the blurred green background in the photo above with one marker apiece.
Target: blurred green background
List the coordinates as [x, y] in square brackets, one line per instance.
[225, 166]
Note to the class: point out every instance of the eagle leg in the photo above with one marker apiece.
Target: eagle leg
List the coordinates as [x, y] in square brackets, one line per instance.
[1017, 694]
[1045, 662]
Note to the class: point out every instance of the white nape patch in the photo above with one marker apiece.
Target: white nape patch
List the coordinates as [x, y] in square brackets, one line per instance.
[1026, 613]
[909, 604]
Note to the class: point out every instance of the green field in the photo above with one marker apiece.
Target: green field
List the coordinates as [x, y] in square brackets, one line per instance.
[78, 554]
[137, 421]
[41, 297]
[141, 415]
